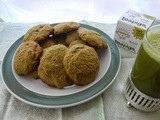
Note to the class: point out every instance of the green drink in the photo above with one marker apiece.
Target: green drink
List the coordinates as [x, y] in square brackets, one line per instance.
[146, 70]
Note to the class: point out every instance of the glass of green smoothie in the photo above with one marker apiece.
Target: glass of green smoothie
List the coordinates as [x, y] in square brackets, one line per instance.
[146, 70]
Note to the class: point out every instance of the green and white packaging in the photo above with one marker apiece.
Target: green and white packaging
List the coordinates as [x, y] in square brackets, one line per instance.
[131, 28]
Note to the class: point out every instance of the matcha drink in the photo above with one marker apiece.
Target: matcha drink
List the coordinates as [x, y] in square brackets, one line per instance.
[146, 70]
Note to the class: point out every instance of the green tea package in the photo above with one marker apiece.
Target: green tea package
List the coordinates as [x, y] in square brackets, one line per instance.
[131, 28]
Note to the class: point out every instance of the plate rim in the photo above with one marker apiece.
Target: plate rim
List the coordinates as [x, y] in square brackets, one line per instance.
[77, 102]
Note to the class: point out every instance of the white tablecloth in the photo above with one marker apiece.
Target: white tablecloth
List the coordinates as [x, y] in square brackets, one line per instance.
[111, 105]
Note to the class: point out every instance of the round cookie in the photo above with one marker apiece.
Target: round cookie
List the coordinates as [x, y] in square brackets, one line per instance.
[81, 63]
[38, 33]
[92, 38]
[27, 57]
[65, 27]
[51, 70]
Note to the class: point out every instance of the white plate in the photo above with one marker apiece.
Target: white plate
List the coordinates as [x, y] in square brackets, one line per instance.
[25, 89]
[41, 88]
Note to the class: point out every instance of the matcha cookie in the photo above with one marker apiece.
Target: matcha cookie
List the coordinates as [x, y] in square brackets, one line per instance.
[51, 70]
[65, 27]
[27, 57]
[92, 38]
[82, 64]
[38, 33]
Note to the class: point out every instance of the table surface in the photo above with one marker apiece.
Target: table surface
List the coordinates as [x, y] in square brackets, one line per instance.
[110, 105]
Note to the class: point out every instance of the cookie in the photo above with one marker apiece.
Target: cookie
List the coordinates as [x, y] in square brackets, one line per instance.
[51, 70]
[65, 27]
[92, 38]
[38, 33]
[27, 57]
[81, 63]
[72, 36]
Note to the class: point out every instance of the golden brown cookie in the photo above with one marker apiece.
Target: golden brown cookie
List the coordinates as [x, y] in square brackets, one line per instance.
[27, 57]
[65, 27]
[81, 63]
[38, 33]
[92, 38]
[51, 69]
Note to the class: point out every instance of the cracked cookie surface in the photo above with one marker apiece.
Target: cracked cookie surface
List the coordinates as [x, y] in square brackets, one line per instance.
[27, 57]
[81, 63]
[38, 33]
[92, 38]
[65, 27]
[51, 69]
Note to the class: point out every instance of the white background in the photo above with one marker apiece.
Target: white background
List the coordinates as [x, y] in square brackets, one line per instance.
[105, 11]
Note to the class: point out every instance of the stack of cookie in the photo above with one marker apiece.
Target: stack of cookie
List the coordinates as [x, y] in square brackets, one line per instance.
[60, 55]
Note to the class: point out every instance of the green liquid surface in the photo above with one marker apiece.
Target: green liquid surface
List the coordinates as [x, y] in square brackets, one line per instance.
[146, 70]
